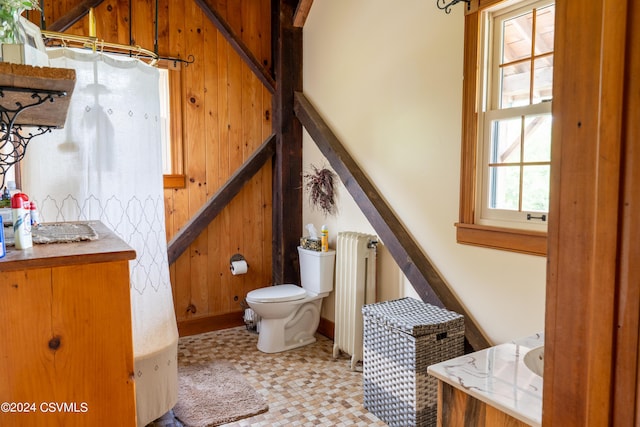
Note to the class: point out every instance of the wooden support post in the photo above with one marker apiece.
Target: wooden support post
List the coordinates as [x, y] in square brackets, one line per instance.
[592, 324]
[287, 168]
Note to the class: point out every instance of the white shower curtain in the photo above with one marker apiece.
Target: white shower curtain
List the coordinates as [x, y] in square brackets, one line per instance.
[106, 165]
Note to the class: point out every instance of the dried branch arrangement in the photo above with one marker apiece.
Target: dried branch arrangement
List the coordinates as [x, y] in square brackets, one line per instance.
[319, 184]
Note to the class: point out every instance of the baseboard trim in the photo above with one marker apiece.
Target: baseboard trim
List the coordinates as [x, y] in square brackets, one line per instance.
[326, 328]
[201, 325]
[210, 323]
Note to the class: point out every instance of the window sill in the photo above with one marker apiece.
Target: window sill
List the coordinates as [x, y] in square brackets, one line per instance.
[507, 239]
[174, 181]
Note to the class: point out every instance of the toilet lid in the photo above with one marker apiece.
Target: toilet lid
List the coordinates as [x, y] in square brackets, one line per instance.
[278, 293]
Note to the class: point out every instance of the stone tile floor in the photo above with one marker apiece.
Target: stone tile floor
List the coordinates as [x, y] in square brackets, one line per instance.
[303, 387]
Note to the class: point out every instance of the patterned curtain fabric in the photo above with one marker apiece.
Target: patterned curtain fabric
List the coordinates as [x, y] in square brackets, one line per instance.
[106, 165]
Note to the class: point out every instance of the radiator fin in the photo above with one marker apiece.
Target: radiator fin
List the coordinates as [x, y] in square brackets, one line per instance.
[355, 285]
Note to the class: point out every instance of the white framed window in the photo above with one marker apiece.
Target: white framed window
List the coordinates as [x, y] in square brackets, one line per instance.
[165, 121]
[514, 126]
[171, 115]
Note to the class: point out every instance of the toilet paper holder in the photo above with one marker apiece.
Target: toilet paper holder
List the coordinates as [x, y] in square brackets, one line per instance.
[236, 257]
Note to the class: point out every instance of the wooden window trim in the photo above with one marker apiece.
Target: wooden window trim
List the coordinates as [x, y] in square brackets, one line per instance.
[510, 239]
[174, 181]
[177, 179]
[467, 231]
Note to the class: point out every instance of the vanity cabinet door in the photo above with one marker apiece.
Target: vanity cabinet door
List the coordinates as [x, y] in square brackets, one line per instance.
[456, 408]
[25, 330]
[66, 356]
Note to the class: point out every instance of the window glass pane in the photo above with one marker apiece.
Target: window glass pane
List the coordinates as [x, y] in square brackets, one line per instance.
[545, 18]
[543, 79]
[537, 138]
[515, 85]
[535, 192]
[504, 187]
[515, 138]
[505, 144]
[165, 128]
[516, 42]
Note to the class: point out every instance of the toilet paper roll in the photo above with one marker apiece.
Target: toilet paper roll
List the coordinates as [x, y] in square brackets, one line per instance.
[239, 267]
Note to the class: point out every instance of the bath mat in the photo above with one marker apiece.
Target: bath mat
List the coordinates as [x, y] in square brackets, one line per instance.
[213, 394]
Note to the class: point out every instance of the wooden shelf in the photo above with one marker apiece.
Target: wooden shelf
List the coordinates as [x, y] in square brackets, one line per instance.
[37, 80]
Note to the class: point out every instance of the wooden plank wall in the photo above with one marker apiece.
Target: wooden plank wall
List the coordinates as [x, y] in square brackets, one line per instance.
[226, 115]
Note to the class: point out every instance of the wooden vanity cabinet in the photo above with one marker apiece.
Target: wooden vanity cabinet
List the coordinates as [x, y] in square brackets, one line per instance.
[66, 350]
[457, 408]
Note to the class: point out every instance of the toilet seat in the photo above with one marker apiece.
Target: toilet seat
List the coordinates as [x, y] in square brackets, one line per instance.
[278, 293]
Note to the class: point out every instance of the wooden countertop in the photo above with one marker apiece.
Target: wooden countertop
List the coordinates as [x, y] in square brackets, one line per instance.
[107, 248]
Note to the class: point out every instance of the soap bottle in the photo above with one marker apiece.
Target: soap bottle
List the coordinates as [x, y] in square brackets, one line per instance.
[325, 238]
[21, 221]
[34, 216]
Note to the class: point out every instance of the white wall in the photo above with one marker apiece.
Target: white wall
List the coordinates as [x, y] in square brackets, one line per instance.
[386, 75]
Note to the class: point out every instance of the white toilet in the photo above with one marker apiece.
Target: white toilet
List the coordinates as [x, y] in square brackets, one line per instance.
[290, 314]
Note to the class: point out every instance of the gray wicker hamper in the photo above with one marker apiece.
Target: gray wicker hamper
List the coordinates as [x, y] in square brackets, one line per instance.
[401, 339]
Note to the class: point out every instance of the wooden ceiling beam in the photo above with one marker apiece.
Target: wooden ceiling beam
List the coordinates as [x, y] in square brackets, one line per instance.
[424, 278]
[74, 15]
[301, 13]
[238, 45]
[201, 219]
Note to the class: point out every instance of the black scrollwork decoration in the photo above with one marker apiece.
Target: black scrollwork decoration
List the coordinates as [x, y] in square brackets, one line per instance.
[446, 5]
[13, 139]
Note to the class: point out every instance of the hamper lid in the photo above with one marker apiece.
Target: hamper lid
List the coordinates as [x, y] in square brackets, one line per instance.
[413, 317]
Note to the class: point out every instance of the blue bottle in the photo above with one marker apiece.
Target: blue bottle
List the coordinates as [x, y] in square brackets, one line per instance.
[3, 248]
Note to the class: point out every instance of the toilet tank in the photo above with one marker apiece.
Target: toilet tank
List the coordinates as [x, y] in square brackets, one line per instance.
[316, 270]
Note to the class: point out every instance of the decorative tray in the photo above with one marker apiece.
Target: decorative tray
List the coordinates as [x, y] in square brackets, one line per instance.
[56, 232]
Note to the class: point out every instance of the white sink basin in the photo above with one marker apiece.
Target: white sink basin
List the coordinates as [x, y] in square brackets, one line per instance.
[534, 360]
